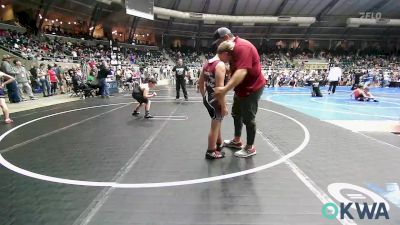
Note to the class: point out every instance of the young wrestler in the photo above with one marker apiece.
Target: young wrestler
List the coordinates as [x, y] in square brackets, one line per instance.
[369, 95]
[213, 75]
[4, 80]
[141, 93]
[359, 94]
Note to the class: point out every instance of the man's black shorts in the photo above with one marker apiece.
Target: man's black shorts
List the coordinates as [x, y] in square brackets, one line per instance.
[139, 97]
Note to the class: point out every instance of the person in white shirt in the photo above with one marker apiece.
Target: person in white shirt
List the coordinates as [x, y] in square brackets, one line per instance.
[335, 73]
[74, 55]
[386, 79]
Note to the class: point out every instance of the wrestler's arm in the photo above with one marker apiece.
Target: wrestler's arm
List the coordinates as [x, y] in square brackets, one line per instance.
[220, 73]
[146, 93]
[235, 80]
[201, 84]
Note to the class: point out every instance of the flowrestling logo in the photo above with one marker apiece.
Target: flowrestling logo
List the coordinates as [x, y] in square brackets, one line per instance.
[355, 203]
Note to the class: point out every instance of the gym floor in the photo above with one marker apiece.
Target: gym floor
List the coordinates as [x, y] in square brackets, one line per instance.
[91, 162]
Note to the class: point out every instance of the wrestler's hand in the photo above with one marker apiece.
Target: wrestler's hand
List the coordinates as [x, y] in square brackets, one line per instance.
[154, 94]
[219, 92]
[224, 110]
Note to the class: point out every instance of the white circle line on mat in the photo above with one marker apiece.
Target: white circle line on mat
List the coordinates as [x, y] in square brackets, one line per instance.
[34, 175]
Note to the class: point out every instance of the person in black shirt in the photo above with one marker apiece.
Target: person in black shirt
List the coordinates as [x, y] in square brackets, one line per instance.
[102, 75]
[180, 73]
[34, 81]
[357, 76]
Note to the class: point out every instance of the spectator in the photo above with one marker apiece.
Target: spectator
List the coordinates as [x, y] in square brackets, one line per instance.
[23, 79]
[102, 76]
[44, 80]
[6, 66]
[60, 77]
[386, 79]
[53, 79]
[35, 83]
[12, 87]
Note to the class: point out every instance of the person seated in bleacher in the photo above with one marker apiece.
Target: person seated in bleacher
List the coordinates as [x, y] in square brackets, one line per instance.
[79, 86]
[92, 80]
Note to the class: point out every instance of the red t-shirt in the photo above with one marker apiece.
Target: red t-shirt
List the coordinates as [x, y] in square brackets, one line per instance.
[92, 64]
[52, 75]
[245, 56]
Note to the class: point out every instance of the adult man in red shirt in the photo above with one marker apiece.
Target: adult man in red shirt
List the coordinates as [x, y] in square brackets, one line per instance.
[249, 82]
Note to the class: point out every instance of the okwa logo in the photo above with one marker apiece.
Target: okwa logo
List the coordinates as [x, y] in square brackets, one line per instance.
[355, 202]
